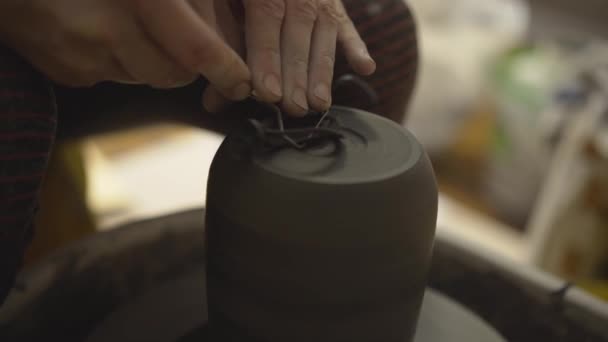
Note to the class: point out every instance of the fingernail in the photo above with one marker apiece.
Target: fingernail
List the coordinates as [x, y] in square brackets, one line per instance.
[299, 98]
[365, 53]
[321, 91]
[373, 64]
[242, 91]
[371, 67]
[271, 82]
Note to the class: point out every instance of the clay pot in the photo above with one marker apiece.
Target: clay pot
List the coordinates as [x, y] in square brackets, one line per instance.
[331, 242]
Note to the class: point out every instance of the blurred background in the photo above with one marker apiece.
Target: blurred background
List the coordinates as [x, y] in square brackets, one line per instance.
[511, 104]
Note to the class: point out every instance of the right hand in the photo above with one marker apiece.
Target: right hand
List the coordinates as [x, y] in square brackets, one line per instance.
[291, 50]
[160, 43]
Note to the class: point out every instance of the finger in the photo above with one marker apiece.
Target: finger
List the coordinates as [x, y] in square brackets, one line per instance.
[213, 101]
[354, 47]
[228, 26]
[322, 58]
[219, 16]
[263, 22]
[148, 64]
[182, 33]
[300, 18]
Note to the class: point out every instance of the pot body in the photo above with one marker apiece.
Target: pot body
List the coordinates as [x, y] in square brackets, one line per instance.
[329, 244]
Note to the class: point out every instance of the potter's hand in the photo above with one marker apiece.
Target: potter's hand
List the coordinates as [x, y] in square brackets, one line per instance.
[291, 48]
[162, 43]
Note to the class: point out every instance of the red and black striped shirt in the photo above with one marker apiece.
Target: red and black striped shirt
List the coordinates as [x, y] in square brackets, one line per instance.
[28, 117]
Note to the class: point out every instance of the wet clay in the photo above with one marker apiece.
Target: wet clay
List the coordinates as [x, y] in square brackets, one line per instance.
[328, 243]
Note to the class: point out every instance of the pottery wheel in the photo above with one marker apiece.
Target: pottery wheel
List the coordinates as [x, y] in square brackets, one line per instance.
[175, 311]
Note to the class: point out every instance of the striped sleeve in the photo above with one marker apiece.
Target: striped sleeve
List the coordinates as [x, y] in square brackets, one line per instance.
[389, 30]
[27, 131]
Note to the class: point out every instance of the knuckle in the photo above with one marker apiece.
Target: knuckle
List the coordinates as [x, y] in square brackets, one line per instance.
[327, 61]
[305, 9]
[328, 9]
[270, 53]
[274, 9]
[344, 20]
[353, 39]
[299, 64]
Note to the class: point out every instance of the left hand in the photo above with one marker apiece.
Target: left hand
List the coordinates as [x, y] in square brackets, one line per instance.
[290, 48]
